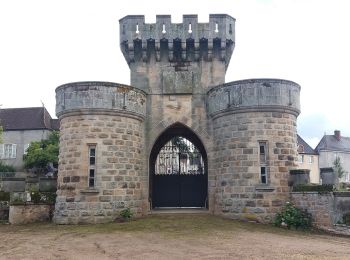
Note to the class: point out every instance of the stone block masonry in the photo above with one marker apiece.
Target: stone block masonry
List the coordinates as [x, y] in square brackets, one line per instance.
[119, 168]
[246, 114]
[24, 214]
[246, 130]
[327, 209]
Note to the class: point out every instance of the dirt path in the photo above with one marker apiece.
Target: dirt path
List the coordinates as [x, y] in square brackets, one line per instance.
[236, 241]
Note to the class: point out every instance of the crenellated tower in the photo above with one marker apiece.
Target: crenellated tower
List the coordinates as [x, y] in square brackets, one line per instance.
[179, 136]
[169, 58]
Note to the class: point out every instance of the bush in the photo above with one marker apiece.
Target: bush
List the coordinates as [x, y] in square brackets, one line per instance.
[126, 214]
[43, 197]
[291, 216]
[315, 187]
[41, 153]
[4, 196]
[346, 219]
[6, 168]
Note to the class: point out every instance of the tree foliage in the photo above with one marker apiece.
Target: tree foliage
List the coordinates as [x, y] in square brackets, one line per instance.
[338, 168]
[41, 153]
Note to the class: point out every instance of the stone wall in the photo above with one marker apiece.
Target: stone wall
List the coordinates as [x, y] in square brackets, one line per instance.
[24, 214]
[235, 159]
[245, 113]
[177, 58]
[110, 117]
[321, 206]
[120, 177]
[177, 73]
[327, 209]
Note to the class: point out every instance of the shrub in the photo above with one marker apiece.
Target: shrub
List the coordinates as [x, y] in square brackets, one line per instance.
[346, 219]
[126, 214]
[4, 196]
[6, 168]
[291, 216]
[43, 197]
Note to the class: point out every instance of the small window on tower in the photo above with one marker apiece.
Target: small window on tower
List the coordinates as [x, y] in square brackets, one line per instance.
[263, 175]
[263, 161]
[92, 166]
[262, 152]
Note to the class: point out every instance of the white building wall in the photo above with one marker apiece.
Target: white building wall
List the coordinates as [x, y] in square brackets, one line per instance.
[22, 138]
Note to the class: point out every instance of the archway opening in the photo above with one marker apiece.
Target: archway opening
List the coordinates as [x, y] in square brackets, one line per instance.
[178, 170]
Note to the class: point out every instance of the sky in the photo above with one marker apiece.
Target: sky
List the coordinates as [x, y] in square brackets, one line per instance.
[47, 43]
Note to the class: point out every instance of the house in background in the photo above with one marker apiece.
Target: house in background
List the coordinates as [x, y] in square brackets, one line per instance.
[21, 127]
[307, 161]
[329, 148]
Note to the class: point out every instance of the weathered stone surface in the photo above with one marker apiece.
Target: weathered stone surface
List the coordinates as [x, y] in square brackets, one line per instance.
[177, 79]
[24, 214]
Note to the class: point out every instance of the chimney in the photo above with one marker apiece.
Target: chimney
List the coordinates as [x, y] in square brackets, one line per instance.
[337, 134]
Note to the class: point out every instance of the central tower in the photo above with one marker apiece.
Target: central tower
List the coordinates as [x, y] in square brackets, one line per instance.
[179, 136]
[170, 58]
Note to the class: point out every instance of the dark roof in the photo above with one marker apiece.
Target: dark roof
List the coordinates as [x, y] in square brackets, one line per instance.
[306, 147]
[331, 143]
[55, 124]
[27, 118]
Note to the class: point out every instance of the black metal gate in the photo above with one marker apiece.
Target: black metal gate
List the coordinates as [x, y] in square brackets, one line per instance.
[179, 178]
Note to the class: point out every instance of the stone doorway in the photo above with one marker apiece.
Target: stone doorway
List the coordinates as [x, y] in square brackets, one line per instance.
[178, 170]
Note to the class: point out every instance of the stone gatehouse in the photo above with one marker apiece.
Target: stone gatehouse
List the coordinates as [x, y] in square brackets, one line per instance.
[179, 136]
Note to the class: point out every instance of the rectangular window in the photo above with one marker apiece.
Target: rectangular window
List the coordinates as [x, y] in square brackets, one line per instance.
[26, 146]
[263, 161]
[8, 151]
[92, 164]
[311, 159]
[262, 152]
[301, 158]
[263, 174]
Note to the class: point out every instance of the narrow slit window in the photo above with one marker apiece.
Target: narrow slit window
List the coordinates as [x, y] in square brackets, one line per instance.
[92, 165]
[263, 175]
[190, 28]
[163, 31]
[262, 152]
[216, 27]
[137, 29]
[263, 161]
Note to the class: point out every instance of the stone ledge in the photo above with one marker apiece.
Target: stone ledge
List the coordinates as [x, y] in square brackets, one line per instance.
[264, 188]
[90, 191]
[341, 193]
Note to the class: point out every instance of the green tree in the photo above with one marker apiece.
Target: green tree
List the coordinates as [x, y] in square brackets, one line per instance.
[41, 153]
[338, 170]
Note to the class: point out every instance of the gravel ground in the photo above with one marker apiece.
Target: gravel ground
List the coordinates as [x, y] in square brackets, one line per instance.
[168, 237]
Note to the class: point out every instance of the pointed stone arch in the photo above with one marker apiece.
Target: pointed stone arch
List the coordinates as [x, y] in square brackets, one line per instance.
[194, 186]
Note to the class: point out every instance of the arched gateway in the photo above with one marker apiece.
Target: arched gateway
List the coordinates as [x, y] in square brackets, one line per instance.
[179, 136]
[178, 167]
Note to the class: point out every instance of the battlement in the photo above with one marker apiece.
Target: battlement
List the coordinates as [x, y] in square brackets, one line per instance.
[254, 95]
[177, 42]
[91, 97]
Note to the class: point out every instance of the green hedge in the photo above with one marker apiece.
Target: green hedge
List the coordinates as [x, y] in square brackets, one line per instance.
[4, 196]
[315, 187]
[6, 168]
